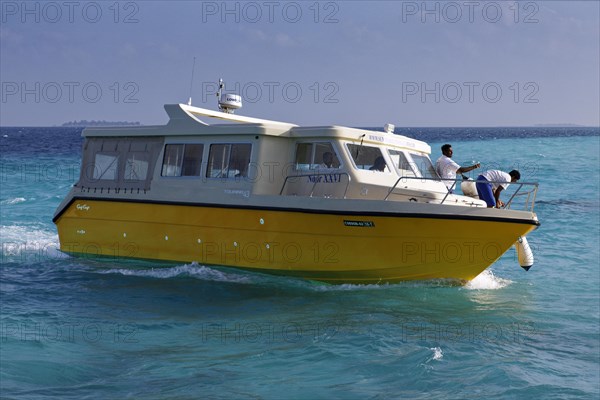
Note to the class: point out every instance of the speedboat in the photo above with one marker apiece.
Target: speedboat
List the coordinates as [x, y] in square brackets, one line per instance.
[325, 203]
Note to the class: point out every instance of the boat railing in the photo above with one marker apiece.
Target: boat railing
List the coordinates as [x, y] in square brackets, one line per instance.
[407, 178]
[525, 190]
[317, 178]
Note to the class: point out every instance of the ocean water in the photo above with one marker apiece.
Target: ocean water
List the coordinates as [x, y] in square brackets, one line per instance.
[77, 328]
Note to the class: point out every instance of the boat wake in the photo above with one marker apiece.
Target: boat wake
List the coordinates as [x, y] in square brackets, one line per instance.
[206, 273]
[27, 242]
[15, 200]
[193, 270]
[487, 281]
[352, 287]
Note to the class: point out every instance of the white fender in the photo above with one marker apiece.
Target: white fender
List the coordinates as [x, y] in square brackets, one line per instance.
[469, 189]
[524, 253]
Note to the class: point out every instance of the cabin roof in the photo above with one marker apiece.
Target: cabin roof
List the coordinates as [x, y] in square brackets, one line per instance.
[184, 121]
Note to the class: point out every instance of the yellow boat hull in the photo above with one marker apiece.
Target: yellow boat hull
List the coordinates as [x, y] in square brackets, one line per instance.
[335, 248]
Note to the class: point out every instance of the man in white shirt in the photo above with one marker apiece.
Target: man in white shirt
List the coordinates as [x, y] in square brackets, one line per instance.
[327, 160]
[491, 183]
[447, 168]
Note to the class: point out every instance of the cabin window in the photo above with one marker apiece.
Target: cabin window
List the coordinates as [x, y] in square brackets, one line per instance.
[192, 160]
[424, 166]
[364, 156]
[106, 166]
[123, 163]
[136, 166]
[172, 160]
[182, 160]
[401, 163]
[316, 155]
[228, 160]
[304, 156]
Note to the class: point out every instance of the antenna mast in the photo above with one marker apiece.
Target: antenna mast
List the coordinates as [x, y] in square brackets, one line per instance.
[192, 82]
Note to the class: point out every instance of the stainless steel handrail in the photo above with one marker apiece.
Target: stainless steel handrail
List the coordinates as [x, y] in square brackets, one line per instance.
[316, 182]
[419, 178]
[531, 194]
[529, 202]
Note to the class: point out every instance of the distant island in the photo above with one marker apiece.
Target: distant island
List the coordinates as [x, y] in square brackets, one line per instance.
[84, 122]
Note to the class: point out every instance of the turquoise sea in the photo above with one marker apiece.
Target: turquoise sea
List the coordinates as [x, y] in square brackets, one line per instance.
[79, 328]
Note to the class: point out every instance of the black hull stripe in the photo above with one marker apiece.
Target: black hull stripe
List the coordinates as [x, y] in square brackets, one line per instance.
[307, 211]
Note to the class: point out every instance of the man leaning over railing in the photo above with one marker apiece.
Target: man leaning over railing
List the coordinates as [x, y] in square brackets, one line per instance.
[491, 183]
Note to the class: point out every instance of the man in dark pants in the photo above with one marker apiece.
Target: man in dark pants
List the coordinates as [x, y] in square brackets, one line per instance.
[491, 183]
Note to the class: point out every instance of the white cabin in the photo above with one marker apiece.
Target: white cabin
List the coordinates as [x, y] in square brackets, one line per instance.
[251, 157]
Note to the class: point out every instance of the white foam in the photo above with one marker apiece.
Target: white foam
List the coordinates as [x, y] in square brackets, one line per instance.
[194, 270]
[16, 200]
[351, 287]
[437, 356]
[29, 234]
[386, 285]
[487, 280]
[28, 241]
[437, 353]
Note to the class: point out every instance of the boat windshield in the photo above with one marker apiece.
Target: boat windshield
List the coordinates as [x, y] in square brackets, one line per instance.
[423, 164]
[401, 163]
[364, 156]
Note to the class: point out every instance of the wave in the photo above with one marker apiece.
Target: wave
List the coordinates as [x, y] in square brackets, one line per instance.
[210, 273]
[484, 281]
[193, 270]
[437, 353]
[430, 283]
[558, 202]
[487, 281]
[25, 241]
[16, 200]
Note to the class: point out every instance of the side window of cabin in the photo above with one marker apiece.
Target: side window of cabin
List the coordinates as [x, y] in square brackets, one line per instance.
[364, 156]
[316, 155]
[123, 163]
[401, 163]
[106, 166]
[182, 160]
[325, 156]
[136, 166]
[172, 160]
[424, 165]
[192, 160]
[228, 160]
[304, 154]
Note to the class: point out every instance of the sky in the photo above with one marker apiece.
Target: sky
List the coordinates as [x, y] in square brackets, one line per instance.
[353, 63]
